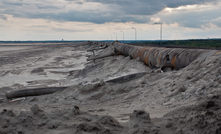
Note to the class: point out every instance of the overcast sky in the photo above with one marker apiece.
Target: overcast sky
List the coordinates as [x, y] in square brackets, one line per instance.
[105, 19]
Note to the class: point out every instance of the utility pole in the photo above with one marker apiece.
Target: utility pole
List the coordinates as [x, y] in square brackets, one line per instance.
[123, 36]
[160, 32]
[135, 33]
[116, 35]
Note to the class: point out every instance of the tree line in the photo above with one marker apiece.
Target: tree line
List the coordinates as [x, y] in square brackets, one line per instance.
[189, 43]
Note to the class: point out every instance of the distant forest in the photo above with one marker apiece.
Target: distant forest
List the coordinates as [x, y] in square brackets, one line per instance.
[49, 41]
[191, 43]
[188, 43]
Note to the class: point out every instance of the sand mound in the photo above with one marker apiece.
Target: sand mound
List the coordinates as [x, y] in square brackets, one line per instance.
[183, 101]
[201, 118]
[67, 121]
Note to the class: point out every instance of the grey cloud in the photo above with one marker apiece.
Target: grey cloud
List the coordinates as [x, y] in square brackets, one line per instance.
[93, 17]
[70, 30]
[15, 13]
[76, 1]
[150, 7]
[38, 26]
[79, 2]
[175, 3]
[193, 19]
[13, 3]
[138, 11]
[42, 6]
[147, 7]
[2, 16]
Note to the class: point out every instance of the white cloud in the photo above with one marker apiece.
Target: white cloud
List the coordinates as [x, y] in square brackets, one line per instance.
[78, 19]
[194, 16]
[217, 21]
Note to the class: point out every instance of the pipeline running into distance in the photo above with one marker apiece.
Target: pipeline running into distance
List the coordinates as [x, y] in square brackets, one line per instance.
[157, 56]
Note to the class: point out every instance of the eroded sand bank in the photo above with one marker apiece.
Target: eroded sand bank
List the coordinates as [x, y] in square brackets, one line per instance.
[183, 101]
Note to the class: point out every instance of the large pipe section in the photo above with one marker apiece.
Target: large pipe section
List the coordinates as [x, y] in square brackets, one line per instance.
[109, 51]
[97, 48]
[157, 56]
[33, 92]
[100, 56]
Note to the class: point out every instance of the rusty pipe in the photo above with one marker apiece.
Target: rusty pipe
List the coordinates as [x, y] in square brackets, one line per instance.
[156, 56]
[100, 56]
[99, 48]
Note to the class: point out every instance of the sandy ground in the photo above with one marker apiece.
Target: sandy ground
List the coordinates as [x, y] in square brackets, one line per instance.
[183, 101]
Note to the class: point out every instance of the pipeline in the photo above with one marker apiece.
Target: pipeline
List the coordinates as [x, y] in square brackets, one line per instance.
[127, 78]
[109, 51]
[97, 48]
[33, 92]
[177, 58]
[100, 56]
[156, 57]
